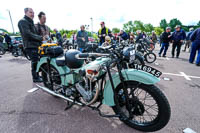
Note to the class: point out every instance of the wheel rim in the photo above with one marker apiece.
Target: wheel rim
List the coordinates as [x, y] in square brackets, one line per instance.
[143, 106]
[150, 57]
[56, 79]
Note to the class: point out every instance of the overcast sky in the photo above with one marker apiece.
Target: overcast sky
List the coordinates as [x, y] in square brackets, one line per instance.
[70, 14]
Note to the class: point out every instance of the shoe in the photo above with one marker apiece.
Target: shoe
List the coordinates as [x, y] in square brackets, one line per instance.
[164, 56]
[172, 56]
[159, 55]
[191, 62]
[198, 64]
[177, 57]
[37, 80]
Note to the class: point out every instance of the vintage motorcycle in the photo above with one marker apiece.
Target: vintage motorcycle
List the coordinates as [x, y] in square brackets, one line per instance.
[131, 93]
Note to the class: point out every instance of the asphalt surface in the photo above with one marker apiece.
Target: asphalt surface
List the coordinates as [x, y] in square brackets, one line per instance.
[39, 112]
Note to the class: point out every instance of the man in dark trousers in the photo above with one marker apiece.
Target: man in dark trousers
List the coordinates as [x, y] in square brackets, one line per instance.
[177, 38]
[31, 40]
[195, 38]
[166, 37]
[82, 38]
[103, 32]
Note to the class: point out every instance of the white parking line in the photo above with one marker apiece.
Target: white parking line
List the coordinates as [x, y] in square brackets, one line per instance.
[32, 90]
[185, 76]
[182, 74]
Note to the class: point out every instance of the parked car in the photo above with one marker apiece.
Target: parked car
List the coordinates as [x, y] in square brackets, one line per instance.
[16, 39]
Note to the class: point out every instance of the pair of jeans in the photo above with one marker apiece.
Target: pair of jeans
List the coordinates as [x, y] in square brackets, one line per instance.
[176, 45]
[164, 46]
[194, 49]
[32, 53]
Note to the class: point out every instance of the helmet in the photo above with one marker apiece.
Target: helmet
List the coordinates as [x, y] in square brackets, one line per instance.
[71, 61]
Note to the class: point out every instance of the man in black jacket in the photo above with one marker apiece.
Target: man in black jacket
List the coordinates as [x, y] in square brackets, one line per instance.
[165, 37]
[31, 40]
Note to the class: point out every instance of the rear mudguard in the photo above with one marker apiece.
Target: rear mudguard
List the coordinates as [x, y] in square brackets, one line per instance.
[129, 75]
[61, 70]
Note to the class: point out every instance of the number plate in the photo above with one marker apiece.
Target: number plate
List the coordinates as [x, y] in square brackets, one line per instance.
[148, 69]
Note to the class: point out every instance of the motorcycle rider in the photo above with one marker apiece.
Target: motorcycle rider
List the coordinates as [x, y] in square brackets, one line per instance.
[82, 38]
[139, 36]
[123, 35]
[107, 42]
[103, 32]
[31, 40]
[42, 29]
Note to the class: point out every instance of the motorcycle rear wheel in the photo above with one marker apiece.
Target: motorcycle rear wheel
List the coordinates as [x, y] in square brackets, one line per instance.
[149, 106]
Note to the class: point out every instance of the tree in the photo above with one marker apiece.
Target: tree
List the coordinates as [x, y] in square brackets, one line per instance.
[174, 22]
[139, 25]
[148, 28]
[129, 27]
[198, 24]
[158, 30]
[115, 30]
[163, 24]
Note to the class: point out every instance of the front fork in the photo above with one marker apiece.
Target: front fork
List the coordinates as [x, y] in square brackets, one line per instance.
[119, 68]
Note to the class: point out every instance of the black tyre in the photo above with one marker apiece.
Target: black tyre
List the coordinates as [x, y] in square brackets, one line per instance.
[2, 51]
[55, 77]
[150, 57]
[149, 107]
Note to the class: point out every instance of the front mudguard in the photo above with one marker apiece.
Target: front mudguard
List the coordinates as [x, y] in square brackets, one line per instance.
[129, 75]
[61, 70]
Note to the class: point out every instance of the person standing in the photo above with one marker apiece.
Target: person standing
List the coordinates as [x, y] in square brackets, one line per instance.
[31, 40]
[166, 38]
[154, 37]
[188, 41]
[8, 41]
[195, 38]
[42, 29]
[59, 38]
[103, 32]
[177, 38]
[82, 38]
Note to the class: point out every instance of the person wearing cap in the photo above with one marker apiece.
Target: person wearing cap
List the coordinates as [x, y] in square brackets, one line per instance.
[166, 38]
[188, 41]
[58, 37]
[103, 32]
[178, 37]
[195, 38]
[82, 38]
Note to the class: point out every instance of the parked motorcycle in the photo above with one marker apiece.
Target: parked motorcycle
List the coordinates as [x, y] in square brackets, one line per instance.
[131, 93]
[144, 48]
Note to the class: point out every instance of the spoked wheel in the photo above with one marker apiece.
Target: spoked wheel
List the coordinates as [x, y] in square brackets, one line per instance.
[55, 78]
[150, 57]
[149, 109]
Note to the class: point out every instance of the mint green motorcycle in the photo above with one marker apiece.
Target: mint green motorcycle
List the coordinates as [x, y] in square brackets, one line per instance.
[131, 93]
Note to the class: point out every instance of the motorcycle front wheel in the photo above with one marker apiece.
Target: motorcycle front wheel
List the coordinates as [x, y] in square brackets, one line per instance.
[150, 57]
[149, 108]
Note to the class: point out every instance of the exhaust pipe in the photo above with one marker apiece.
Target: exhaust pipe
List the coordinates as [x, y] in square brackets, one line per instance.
[58, 95]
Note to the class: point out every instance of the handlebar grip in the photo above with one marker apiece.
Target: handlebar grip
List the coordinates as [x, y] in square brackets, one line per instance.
[82, 55]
